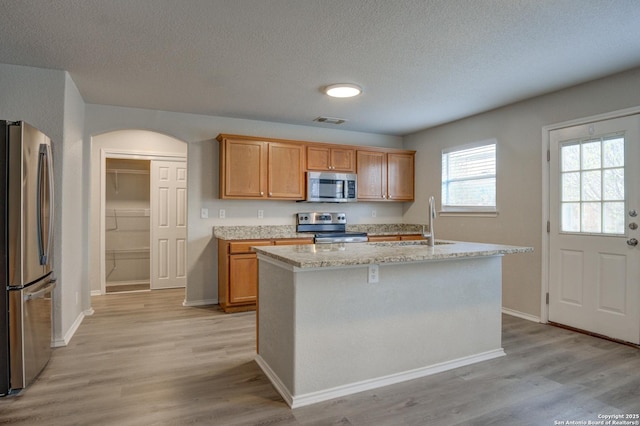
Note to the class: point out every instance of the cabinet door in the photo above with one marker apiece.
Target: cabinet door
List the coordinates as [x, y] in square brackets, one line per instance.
[286, 171]
[318, 158]
[243, 278]
[244, 169]
[323, 158]
[400, 178]
[372, 175]
[343, 160]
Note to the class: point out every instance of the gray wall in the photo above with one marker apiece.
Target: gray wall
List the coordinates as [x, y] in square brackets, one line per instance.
[50, 101]
[518, 130]
[200, 132]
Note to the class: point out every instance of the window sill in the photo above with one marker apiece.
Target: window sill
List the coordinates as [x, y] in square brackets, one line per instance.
[467, 213]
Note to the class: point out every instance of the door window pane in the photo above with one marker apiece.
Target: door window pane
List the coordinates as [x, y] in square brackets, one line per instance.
[614, 184]
[591, 155]
[591, 217]
[592, 185]
[613, 152]
[570, 217]
[571, 186]
[613, 218]
[570, 158]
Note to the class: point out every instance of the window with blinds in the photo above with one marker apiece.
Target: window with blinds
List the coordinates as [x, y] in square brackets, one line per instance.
[469, 178]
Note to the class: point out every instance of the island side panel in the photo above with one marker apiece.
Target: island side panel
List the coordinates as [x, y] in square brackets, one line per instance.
[418, 315]
[276, 322]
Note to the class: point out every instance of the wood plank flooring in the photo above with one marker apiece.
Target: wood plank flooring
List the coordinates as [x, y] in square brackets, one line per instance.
[144, 359]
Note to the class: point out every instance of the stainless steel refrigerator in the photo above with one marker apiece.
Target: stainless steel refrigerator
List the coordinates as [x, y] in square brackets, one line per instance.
[26, 240]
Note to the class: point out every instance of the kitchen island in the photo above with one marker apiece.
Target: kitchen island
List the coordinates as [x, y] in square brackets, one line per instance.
[335, 319]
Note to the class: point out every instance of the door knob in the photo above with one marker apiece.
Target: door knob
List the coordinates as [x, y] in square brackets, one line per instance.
[632, 242]
[633, 226]
[633, 213]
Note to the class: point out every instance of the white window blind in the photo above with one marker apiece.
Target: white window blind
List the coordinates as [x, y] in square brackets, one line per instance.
[469, 178]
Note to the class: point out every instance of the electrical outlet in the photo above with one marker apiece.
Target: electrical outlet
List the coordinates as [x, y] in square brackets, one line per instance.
[260, 214]
[204, 213]
[374, 274]
[222, 214]
[374, 213]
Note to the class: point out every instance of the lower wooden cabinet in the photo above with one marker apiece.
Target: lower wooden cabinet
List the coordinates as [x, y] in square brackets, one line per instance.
[238, 272]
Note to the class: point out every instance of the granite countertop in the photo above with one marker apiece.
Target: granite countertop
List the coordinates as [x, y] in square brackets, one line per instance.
[336, 255]
[267, 232]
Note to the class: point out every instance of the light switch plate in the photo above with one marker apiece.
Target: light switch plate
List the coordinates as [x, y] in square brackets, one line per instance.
[204, 213]
[222, 214]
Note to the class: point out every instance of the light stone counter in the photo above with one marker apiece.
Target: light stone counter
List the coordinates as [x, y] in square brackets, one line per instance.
[345, 254]
[267, 232]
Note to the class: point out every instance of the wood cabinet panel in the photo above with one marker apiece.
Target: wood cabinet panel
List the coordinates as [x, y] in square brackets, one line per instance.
[324, 158]
[286, 171]
[372, 175]
[244, 246]
[244, 170]
[293, 241]
[411, 237]
[400, 177]
[385, 176]
[243, 274]
[378, 238]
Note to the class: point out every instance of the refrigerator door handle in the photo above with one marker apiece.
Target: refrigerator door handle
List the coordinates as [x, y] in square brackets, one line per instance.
[37, 294]
[46, 198]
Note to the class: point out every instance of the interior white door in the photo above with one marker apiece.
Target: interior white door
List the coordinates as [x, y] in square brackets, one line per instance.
[168, 224]
[594, 264]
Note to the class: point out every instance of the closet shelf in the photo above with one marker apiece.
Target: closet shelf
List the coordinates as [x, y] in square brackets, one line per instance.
[128, 171]
[129, 250]
[128, 212]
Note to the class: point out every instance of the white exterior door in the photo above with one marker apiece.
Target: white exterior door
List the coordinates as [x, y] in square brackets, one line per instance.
[168, 224]
[594, 266]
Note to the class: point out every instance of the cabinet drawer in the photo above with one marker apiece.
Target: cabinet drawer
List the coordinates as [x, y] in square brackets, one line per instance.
[384, 238]
[244, 246]
[293, 241]
[411, 237]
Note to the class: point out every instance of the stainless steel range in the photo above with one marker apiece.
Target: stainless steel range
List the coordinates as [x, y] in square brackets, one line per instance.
[328, 228]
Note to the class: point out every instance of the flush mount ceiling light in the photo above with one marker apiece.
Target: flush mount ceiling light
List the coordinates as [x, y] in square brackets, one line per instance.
[343, 90]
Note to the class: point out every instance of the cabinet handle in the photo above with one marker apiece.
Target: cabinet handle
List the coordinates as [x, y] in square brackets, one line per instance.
[261, 193]
[271, 194]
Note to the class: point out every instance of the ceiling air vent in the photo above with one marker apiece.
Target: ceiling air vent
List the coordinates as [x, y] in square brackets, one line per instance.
[330, 120]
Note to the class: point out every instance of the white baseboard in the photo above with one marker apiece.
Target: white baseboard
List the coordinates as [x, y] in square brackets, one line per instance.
[203, 302]
[96, 292]
[351, 388]
[522, 315]
[57, 343]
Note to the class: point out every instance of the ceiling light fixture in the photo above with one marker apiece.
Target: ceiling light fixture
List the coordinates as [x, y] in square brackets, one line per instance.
[343, 90]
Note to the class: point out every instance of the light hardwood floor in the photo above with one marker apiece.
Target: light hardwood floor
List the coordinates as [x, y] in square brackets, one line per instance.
[144, 359]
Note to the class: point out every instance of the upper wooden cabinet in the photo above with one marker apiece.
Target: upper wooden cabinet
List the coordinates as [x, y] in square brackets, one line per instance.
[262, 168]
[256, 169]
[385, 176]
[400, 176]
[324, 158]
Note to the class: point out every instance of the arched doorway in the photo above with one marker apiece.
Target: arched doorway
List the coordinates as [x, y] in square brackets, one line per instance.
[129, 157]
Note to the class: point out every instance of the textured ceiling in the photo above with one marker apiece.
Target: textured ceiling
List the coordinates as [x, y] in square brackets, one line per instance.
[420, 62]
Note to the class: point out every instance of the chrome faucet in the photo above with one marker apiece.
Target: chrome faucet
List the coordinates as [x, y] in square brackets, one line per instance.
[431, 237]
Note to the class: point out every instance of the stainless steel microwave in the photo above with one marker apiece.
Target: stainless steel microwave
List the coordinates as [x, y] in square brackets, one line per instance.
[332, 187]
